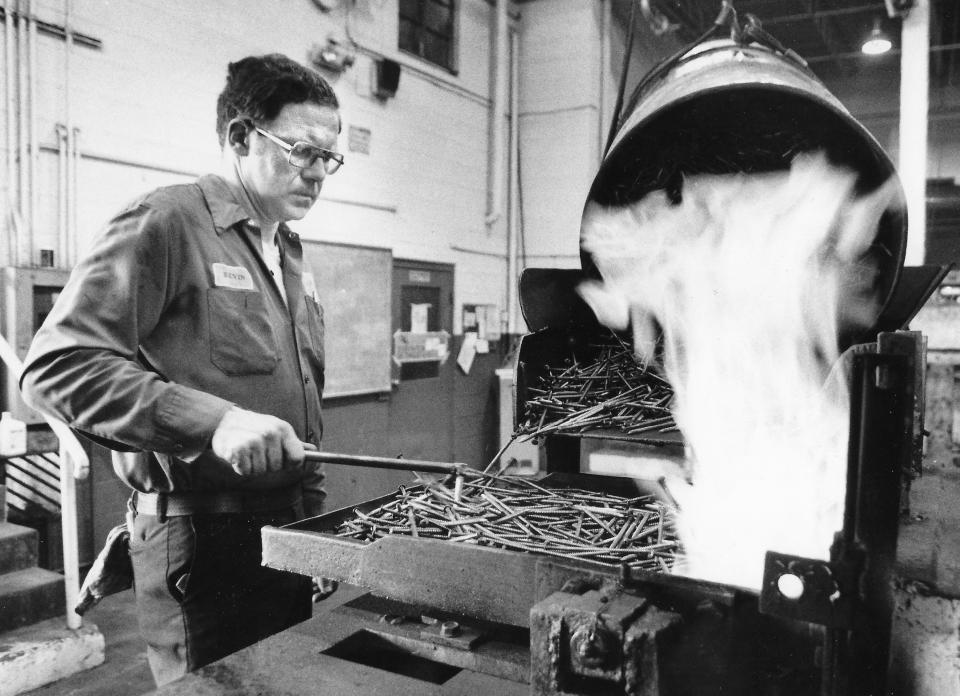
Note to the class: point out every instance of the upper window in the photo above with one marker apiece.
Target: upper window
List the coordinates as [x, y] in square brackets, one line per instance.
[426, 30]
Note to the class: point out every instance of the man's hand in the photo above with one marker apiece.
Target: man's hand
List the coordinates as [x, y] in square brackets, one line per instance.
[255, 443]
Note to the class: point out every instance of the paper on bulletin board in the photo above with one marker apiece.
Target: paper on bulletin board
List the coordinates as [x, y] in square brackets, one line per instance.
[467, 352]
[419, 317]
[469, 317]
[483, 346]
[488, 322]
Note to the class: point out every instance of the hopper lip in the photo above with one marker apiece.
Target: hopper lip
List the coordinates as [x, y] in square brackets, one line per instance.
[717, 68]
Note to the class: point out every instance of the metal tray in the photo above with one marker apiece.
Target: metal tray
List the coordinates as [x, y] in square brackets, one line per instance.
[478, 581]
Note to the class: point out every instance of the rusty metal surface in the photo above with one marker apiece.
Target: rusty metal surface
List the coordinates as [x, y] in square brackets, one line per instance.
[471, 580]
[646, 644]
[468, 579]
[598, 638]
[300, 662]
[480, 646]
[478, 581]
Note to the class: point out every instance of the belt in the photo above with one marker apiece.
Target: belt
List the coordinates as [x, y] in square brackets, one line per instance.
[215, 502]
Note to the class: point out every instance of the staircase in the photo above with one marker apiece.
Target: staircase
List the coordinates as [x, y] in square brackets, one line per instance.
[28, 594]
[36, 648]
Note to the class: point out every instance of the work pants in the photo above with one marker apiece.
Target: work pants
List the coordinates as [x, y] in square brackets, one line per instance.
[200, 589]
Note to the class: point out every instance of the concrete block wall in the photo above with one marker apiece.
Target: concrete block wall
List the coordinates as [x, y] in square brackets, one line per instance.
[144, 104]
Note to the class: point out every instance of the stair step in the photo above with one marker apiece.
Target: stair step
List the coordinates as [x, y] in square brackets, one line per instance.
[44, 652]
[30, 595]
[18, 547]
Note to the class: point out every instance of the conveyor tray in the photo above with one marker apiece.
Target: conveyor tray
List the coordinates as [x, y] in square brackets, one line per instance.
[479, 581]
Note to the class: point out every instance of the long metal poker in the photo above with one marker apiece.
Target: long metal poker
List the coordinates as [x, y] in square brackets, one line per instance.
[454, 468]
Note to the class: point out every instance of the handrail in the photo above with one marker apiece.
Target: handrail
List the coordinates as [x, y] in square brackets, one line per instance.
[73, 460]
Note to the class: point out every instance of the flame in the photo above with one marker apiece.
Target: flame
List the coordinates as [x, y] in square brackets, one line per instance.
[747, 280]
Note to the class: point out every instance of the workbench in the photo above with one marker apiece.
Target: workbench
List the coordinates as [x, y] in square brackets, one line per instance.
[295, 663]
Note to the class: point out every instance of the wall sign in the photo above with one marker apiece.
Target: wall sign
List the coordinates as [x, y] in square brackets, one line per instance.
[419, 276]
[358, 140]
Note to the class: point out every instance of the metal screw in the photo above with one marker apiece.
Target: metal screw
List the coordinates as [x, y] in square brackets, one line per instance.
[449, 629]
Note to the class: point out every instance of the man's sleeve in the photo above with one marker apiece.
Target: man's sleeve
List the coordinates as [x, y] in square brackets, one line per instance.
[82, 365]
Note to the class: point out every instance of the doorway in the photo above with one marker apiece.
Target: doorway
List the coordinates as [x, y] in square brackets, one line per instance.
[422, 408]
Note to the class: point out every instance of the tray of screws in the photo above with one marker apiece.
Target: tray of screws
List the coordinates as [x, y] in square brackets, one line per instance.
[570, 517]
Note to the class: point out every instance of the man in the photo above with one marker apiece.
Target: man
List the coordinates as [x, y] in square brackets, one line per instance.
[191, 334]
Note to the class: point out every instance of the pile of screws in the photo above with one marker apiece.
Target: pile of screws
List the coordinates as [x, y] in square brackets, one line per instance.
[515, 513]
[613, 391]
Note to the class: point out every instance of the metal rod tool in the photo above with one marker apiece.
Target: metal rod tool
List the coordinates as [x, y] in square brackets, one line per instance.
[386, 462]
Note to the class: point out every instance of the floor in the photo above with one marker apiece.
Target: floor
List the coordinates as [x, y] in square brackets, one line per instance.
[125, 671]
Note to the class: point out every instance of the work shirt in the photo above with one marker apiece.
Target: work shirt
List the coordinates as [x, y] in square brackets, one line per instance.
[171, 319]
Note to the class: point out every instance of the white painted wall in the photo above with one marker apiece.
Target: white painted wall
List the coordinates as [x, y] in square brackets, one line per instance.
[559, 124]
[874, 101]
[148, 98]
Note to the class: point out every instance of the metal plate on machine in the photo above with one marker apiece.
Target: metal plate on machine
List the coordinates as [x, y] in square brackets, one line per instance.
[481, 581]
[467, 579]
[485, 582]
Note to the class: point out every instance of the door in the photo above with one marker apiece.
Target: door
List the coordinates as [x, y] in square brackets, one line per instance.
[421, 407]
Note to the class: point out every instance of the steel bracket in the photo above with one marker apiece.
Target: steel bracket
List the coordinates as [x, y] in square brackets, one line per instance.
[812, 590]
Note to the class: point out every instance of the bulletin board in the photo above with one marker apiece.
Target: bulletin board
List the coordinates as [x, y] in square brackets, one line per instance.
[353, 284]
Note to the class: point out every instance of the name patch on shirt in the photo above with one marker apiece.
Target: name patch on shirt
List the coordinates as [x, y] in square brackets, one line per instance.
[235, 277]
[310, 286]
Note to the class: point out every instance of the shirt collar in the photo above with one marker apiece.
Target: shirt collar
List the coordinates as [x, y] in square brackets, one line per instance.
[226, 209]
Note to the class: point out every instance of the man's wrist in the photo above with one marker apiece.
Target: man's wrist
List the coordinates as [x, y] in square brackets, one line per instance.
[189, 418]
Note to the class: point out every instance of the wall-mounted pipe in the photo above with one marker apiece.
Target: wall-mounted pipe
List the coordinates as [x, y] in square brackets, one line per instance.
[62, 198]
[914, 105]
[65, 231]
[22, 187]
[74, 162]
[10, 89]
[496, 168]
[32, 202]
[514, 177]
[606, 26]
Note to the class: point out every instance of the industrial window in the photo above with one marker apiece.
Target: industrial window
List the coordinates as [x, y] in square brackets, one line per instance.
[427, 30]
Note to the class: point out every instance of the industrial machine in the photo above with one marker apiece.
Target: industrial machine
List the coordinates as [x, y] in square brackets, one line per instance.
[578, 626]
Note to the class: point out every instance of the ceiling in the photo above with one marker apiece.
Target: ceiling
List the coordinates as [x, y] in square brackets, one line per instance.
[828, 33]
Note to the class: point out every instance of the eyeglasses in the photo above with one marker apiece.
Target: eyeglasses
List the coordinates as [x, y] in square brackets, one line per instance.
[304, 155]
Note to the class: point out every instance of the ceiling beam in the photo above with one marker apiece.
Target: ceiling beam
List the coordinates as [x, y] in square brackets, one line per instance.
[836, 12]
[827, 31]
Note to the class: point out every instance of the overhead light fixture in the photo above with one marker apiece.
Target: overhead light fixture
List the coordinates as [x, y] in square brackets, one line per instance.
[335, 56]
[877, 43]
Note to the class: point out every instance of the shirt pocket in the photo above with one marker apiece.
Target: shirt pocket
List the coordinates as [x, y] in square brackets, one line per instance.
[242, 341]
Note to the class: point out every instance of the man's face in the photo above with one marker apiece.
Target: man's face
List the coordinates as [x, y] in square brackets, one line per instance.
[279, 190]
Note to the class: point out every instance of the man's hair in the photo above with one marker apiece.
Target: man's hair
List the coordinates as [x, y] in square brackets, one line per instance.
[258, 87]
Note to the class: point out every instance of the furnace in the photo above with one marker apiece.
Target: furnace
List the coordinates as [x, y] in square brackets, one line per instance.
[566, 620]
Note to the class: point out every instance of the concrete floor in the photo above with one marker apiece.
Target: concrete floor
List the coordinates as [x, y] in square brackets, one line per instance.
[125, 671]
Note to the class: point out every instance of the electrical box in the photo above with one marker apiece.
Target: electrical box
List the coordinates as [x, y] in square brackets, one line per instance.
[523, 458]
[26, 298]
